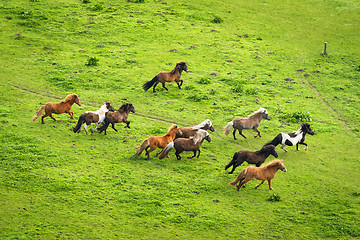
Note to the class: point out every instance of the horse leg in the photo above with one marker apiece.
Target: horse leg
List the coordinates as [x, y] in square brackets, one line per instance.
[260, 184]
[85, 127]
[164, 86]
[42, 119]
[177, 154]
[127, 124]
[234, 134]
[240, 132]
[236, 164]
[198, 154]
[179, 84]
[52, 117]
[297, 146]
[283, 147]
[113, 126]
[242, 182]
[257, 132]
[269, 181]
[193, 156]
[155, 86]
[71, 113]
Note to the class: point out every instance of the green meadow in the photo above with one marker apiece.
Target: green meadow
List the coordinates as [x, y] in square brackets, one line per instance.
[242, 55]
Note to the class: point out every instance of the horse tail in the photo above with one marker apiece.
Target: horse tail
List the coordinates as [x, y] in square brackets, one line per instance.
[276, 141]
[144, 145]
[150, 83]
[39, 113]
[233, 161]
[239, 177]
[166, 150]
[228, 127]
[79, 123]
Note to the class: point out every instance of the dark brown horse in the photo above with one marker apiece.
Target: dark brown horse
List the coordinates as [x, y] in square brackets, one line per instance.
[164, 77]
[118, 116]
[251, 122]
[63, 107]
[93, 117]
[187, 144]
[192, 131]
[266, 172]
[250, 157]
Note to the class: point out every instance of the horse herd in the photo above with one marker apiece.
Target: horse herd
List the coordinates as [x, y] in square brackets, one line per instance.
[188, 138]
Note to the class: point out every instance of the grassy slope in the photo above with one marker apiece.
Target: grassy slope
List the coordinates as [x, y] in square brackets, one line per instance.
[94, 186]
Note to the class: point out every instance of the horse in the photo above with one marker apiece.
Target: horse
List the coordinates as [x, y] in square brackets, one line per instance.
[163, 77]
[192, 131]
[93, 117]
[155, 142]
[118, 116]
[266, 172]
[293, 138]
[63, 107]
[187, 144]
[250, 157]
[251, 122]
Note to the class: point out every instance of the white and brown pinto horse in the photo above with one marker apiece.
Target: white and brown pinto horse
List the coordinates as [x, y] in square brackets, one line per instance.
[251, 122]
[93, 117]
[187, 132]
[294, 138]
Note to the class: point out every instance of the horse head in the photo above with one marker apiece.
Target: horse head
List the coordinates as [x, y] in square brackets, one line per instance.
[265, 114]
[182, 66]
[281, 166]
[209, 125]
[76, 99]
[130, 107]
[305, 127]
[273, 151]
[109, 107]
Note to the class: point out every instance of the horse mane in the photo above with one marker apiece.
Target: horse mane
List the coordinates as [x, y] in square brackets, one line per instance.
[176, 67]
[261, 110]
[124, 107]
[200, 135]
[203, 124]
[273, 163]
[69, 97]
[171, 129]
[298, 131]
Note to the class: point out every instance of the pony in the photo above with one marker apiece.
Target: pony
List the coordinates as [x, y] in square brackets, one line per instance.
[250, 157]
[63, 107]
[118, 116]
[192, 131]
[266, 172]
[163, 77]
[187, 144]
[155, 142]
[251, 122]
[93, 117]
[293, 138]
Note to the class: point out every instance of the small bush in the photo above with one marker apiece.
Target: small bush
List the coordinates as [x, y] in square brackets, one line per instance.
[86, 1]
[217, 20]
[92, 61]
[98, 7]
[140, 1]
[239, 88]
[204, 80]
[297, 117]
[196, 97]
[251, 91]
[274, 198]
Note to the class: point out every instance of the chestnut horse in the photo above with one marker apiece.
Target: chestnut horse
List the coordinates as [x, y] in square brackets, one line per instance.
[63, 107]
[93, 117]
[155, 142]
[187, 144]
[164, 77]
[251, 122]
[118, 116]
[250, 157]
[192, 131]
[266, 172]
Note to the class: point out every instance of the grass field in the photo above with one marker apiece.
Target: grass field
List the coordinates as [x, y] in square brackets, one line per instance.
[241, 56]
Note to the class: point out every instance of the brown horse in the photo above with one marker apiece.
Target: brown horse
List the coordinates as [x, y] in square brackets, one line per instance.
[192, 131]
[118, 116]
[63, 107]
[155, 142]
[93, 117]
[187, 144]
[266, 172]
[164, 77]
[251, 122]
[250, 157]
